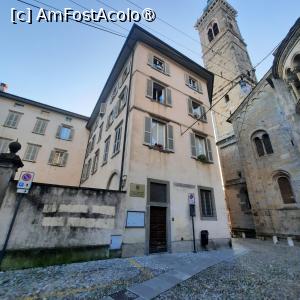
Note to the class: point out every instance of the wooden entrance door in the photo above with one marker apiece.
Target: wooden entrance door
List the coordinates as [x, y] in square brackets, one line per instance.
[158, 229]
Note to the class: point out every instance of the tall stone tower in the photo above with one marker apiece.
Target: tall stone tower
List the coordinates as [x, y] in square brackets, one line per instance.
[225, 54]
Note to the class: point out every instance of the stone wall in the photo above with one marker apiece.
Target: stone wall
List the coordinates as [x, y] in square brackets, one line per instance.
[55, 217]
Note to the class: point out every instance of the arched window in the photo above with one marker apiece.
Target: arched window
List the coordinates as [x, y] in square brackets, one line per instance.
[262, 143]
[215, 29]
[285, 187]
[267, 143]
[210, 35]
[259, 146]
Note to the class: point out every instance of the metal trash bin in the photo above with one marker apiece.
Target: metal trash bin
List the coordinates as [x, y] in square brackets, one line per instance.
[204, 238]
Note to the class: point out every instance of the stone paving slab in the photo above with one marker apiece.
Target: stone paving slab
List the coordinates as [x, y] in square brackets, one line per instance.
[180, 272]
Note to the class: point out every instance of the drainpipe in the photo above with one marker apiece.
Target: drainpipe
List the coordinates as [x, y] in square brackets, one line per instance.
[126, 124]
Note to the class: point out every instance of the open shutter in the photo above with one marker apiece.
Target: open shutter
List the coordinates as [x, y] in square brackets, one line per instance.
[65, 158]
[167, 69]
[203, 113]
[102, 108]
[71, 134]
[51, 157]
[147, 137]
[150, 59]
[190, 106]
[169, 96]
[193, 144]
[209, 150]
[186, 79]
[199, 87]
[170, 138]
[58, 131]
[149, 92]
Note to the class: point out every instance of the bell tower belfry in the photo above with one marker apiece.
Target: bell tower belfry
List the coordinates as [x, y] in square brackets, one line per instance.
[225, 54]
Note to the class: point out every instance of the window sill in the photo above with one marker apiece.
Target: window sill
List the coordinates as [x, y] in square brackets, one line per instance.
[163, 104]
[104, 163]
[56, 165]
[63, 139]
[195, 90]
[201, 120]
[10, 127]
[32, 161]
[115, 154]
[204, 162]
[160, 71]
[38, 133]
[158, 149]
[208, 218]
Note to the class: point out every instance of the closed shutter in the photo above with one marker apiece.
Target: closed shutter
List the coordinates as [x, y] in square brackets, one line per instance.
[209, 150]
[58, 131]
[169, 97]
[43, 127]
[147, 137]
[186, 79]
[170, 138]
[167, 68]
[190, 106]
[64, 159]
[193, 144]
[149, 91]
[51, 157]
[150, 59]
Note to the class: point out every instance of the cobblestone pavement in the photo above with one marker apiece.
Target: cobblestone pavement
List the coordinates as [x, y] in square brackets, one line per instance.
[265, 272]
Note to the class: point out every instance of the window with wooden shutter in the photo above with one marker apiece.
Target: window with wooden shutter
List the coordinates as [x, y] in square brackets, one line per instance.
[149, 90]
[88, 168]
[150, 59]
[58, 158]
[167, 69]
[13, 119]
[4, 143]
[147, 135]
[209, 150]
[117, 142]
[170, 138]
[100, 133]
[40, 126]
[169, 97]
[193, 144]
[106, 150]
[31, 152]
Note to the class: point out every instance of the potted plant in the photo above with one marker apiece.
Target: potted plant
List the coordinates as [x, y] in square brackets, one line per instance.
[202, 158]
[158, 147]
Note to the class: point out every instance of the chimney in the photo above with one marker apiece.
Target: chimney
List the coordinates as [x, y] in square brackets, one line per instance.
[3, 87]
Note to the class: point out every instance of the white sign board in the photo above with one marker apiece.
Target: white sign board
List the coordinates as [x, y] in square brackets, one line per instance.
[191, 198]
[25, 182]
[135, 219]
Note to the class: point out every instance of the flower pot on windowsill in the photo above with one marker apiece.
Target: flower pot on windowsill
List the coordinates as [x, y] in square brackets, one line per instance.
[202, 158]
[158, 147]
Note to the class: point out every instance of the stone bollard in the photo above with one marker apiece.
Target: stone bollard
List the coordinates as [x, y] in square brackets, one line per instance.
[290, 241]
[275, 239]
[9, 164]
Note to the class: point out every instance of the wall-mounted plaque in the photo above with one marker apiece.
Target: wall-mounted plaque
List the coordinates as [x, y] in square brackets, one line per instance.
[135, 219]
[137, 190]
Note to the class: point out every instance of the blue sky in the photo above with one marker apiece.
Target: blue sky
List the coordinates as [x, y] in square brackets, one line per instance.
[66, 64]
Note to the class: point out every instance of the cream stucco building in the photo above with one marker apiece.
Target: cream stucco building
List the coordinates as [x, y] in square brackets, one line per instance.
[142, 142]
[150, 137]
[53, 140]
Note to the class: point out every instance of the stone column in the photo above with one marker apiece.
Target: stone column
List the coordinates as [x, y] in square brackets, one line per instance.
[9, 164]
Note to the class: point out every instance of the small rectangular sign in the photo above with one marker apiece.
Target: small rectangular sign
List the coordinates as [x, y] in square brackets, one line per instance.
[191, 198]
[137, 190]
[25, 180]
[135, 219]
[22, 191]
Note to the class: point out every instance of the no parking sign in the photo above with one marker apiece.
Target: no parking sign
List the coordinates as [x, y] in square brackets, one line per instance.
[25, 182]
